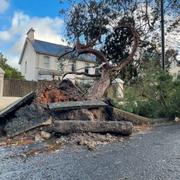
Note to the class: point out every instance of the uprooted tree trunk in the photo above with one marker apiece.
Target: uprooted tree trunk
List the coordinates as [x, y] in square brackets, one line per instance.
[108, 72]
[99, 87]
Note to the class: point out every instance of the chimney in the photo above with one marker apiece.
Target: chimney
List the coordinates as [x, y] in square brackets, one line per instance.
[30, 34]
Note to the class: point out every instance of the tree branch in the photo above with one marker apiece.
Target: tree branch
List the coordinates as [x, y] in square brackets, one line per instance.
[81, 73]
[66, 54]
[84, 49]
[127, 60]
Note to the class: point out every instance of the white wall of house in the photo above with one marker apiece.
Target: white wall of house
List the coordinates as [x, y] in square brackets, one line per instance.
[28, 64]
[35, 66]
[82, 64]
[79, 66]
[45, 62]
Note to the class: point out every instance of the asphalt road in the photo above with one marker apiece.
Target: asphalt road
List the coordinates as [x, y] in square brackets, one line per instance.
[154, 155]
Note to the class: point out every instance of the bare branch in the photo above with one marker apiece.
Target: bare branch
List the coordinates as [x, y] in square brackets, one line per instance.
[127, 60]
[83, 49]
[66, 53]
[81, 73]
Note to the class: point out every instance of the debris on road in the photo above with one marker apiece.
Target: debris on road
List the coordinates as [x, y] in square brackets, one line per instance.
[76, 105]
[61, 110]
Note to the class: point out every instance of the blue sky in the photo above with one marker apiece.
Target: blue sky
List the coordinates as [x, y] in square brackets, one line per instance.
[17, 16]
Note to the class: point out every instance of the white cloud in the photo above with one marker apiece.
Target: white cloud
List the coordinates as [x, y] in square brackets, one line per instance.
[4, 4]
[46, 28]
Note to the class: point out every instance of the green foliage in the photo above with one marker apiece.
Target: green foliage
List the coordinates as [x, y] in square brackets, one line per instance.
[10, 72]
[91, 19]
[155, 95]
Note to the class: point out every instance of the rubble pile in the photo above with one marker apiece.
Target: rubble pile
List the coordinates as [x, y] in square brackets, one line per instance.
[60, 111]
[66, 91]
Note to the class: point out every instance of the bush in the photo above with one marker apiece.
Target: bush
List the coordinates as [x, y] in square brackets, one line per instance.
[155, 95]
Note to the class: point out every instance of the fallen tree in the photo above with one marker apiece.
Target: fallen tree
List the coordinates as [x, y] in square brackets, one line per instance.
[108, 71]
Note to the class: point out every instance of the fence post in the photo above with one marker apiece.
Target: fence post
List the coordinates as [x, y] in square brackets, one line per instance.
[1, 81]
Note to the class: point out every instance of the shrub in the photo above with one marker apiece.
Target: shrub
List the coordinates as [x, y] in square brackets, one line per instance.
[155, 95]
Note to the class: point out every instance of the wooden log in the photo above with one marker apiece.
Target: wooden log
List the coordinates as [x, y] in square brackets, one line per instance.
[76, 105]
[17, 104]
[115, 127]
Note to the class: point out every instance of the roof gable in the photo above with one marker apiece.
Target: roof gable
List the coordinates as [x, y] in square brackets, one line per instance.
[52, 49]
[23, 50]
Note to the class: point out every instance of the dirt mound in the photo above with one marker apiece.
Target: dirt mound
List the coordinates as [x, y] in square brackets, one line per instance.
[66, 91]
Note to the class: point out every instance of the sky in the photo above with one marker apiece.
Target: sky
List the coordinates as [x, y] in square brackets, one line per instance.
[18, 16]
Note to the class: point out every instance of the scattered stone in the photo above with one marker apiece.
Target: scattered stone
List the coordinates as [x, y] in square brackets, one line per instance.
[177, 119]
[45, 135]
[91, 140]
[38, 138]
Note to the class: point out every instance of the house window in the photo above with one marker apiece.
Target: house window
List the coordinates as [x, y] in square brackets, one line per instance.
[86, 70]
[46, 62]
[73, 67]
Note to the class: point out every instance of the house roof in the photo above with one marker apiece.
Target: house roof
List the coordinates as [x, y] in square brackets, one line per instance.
[52, 49]
[49, 48]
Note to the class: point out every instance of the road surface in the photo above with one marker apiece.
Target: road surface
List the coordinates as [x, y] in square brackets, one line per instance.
[154, 155]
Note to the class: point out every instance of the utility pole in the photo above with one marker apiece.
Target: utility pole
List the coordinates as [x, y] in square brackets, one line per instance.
[162, 36]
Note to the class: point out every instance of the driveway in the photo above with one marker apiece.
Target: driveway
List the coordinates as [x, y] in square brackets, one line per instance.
[151, 156]
[6, 101]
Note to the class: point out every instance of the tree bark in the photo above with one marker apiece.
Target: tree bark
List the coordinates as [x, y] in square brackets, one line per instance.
[109, 72]
[99, 87]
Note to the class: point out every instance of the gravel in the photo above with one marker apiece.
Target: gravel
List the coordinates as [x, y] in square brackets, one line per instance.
[154, 155]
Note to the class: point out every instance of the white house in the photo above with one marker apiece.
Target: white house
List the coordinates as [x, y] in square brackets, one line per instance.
[39, 60]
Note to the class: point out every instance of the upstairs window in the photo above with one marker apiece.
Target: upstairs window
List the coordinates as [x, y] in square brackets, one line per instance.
[46, 62]
[73, 67]
[86, 70]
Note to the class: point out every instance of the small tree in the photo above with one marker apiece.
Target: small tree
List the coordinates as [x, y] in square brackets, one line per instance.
[155, 95]
[10, 72]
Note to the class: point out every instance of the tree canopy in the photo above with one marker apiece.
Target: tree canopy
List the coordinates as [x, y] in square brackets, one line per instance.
[10, 72]
[96, 23]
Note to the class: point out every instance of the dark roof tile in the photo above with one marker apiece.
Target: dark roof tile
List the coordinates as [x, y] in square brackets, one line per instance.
[56, 50]
[49, 48]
